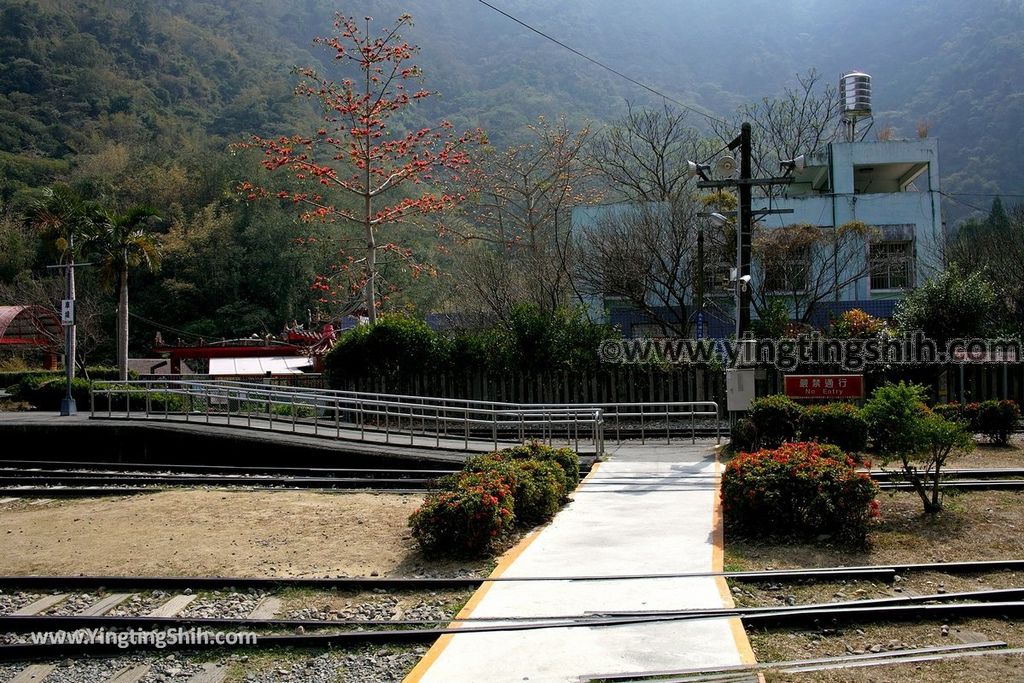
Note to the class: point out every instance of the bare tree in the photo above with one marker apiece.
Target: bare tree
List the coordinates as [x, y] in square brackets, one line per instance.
[645, 254]
[996, 247]
[801, 121]
[806, 265]
[519, 214]
[643, 155]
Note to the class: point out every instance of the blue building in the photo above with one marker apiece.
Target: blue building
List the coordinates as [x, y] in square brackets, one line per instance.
[890, 186]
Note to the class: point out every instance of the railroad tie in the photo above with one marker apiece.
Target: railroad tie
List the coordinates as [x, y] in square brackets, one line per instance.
[33, 673]
[172, 607]
[130, 674]
[266, 608]
[41, 605]
[211, 673]
[98, 609]
[41, 501]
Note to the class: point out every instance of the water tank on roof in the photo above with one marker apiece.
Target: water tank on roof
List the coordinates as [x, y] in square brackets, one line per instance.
[855, 89]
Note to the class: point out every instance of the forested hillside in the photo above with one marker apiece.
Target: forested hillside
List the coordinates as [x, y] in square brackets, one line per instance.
[139, 101]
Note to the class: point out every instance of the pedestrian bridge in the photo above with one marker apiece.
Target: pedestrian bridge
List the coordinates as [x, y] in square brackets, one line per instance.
[418, 421]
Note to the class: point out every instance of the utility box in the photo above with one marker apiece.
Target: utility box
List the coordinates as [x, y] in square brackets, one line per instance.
[739, 388]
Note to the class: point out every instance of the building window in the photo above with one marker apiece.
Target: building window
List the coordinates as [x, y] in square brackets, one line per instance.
[786, 271]
[892, 265]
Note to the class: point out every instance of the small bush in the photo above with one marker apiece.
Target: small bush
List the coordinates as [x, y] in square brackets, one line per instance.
[538, 486]
[776, 419]
[997, 420]
[467, 518]
[566, 458]
[46, 392]
[522, 486]
[743, 438]
[801, 490]
[952, 411]
[892, 414]
[840, 424]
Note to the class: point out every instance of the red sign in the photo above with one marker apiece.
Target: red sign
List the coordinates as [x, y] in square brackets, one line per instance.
[825, 386]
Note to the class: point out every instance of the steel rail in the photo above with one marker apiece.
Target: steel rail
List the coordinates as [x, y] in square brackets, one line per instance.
[362, 636]
[695, 674]
[245, 470]
[92, 480]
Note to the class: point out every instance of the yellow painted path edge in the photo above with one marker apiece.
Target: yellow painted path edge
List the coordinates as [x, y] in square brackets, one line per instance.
[718, 564]
[504, 563]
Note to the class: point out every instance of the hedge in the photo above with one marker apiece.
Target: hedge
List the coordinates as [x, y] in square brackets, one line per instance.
[99, 372]
[776, 419]
[494, 493]
[840, 424]
[801, 490]
[997, 420]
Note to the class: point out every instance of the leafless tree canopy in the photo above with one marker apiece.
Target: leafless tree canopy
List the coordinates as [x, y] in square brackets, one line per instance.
[645, 254]
[997, 248]
[518, 219]
[806, 265]
[643, 155]
[802, 121]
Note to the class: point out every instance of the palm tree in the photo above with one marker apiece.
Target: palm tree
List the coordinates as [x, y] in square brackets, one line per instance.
[122, 243]
[63, 216]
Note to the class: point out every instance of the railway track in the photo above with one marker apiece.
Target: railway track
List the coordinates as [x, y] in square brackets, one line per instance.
[43, 615]
[25, 478]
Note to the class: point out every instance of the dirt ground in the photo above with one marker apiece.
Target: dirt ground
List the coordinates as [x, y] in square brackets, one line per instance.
[209, 532]
[974, 526]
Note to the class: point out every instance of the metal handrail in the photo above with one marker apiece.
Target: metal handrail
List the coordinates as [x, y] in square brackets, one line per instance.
[562, 424]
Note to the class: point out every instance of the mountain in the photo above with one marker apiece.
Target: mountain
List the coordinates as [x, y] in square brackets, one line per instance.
[140, 100]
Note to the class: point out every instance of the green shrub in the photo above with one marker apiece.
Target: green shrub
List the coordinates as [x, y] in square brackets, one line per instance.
[997, 420]
[800, 490]
[776, 419]
[743, 437]
[98, 372]
[466, 519]
[952, 411]
[841, 424]
[892, 414]
[566, 458]
[524, 485]
[538, 486]
[46, 392]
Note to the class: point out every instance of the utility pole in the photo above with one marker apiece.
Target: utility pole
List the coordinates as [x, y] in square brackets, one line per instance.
[67, 318]
[744, 184]
[700, 282]
[746, 227]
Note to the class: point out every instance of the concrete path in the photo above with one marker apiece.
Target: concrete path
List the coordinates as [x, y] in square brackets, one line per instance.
[647, 510]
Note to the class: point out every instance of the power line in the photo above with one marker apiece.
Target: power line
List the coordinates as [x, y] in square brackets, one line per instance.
[602, 65]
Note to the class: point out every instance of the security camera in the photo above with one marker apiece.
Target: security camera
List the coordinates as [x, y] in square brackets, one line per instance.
[744, 282]
[791, 165]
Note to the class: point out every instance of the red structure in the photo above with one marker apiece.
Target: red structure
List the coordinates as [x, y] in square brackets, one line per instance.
[31, 328]
[825, 386]
[294, 342]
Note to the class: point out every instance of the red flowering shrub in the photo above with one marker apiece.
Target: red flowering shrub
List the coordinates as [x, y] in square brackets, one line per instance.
[521, 486]
[467, 517]
[840, 424]
[997, 420]
[802, 490]
[538, 486]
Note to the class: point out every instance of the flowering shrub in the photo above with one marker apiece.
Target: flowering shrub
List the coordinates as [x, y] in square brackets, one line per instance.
[538, 486]
[775, 418]
[840, 424]
[801, 490]
[856, 324]
[565, 458]
[466, 518]
[521, 486]
[997, 420]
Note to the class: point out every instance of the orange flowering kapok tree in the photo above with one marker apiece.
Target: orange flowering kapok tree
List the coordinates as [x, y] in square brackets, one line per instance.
[388, 175]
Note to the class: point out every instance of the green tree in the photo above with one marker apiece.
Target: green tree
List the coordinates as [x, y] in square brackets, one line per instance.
[952, 305]
[66, 220]
[122, 242]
